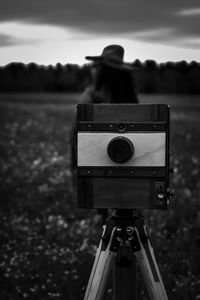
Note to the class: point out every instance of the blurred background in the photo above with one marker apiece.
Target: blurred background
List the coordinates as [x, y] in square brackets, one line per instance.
[47, 245]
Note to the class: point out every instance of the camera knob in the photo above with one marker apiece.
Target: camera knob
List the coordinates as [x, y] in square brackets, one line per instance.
[170, 193]
[120, 149]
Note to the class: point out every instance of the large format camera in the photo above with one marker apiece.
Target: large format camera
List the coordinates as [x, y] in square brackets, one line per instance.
[122, 154]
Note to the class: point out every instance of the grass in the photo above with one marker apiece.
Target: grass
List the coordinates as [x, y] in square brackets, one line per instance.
[47, 245]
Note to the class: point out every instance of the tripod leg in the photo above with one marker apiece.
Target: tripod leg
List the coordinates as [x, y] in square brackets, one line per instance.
[149, 268]
[124, 275]
[101, 270]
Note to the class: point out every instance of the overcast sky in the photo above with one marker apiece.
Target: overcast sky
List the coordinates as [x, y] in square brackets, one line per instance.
[51, 31]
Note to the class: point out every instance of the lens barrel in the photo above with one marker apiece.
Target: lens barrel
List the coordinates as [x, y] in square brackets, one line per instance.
[120, 149]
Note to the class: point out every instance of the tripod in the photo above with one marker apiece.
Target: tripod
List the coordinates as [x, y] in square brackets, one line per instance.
[124, 235]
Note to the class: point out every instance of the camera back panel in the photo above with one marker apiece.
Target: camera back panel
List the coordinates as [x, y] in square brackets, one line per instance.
[122, 155]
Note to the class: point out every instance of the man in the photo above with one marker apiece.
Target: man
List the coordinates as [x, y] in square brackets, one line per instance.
[113, 80]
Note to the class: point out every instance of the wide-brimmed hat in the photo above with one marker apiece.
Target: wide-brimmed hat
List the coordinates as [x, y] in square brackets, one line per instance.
[112, 56]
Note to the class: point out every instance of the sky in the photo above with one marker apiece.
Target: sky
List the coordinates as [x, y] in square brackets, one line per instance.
[51, 31]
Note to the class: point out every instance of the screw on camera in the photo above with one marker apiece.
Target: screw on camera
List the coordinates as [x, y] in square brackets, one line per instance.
[121, 127]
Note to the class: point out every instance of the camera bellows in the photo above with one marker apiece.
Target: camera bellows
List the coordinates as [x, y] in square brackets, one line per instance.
[120, 149]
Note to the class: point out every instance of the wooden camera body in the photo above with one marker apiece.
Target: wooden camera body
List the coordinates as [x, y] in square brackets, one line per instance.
[122, 156]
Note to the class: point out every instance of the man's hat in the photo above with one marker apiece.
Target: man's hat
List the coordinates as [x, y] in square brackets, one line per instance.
[112, 56]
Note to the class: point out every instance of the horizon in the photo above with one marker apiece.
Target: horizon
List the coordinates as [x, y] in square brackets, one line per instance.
[89, 63]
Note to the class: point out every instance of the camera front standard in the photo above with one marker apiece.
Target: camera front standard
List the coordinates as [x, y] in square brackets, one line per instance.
[122, 156]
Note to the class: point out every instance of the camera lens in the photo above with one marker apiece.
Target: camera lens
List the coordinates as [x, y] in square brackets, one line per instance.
[120, 149]
[121, 127]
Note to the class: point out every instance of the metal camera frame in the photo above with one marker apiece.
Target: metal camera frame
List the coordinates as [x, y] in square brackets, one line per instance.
[140, 183]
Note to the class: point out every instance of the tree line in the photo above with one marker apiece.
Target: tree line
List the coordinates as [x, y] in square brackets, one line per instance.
[150, 77]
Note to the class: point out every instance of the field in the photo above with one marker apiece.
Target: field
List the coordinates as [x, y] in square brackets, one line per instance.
[47, 244]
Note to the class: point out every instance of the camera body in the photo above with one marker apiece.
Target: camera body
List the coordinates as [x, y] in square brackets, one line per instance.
[122, 156]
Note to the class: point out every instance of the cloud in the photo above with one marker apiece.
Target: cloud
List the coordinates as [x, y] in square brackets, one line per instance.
[8, 40]
[161, 34]
[190, 12]
[166, 36]
[19, 33]
[34, 31]
[156, 21]
[189, 42]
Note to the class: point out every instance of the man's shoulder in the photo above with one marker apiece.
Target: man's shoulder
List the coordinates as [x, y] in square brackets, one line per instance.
[86, 96]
